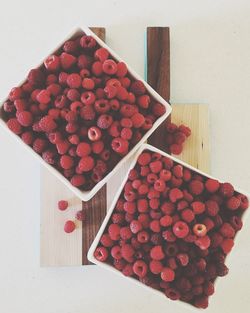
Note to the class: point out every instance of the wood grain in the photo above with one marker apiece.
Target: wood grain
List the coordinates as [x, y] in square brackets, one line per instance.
[196, 151]
[95, 208]
[158, 72]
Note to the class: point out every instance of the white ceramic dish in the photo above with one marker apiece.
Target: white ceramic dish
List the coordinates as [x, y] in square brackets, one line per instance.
[86, 195]
[94, 245]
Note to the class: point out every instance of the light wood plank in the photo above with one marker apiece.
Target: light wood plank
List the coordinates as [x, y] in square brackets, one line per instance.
[56, 247]
[196, 151]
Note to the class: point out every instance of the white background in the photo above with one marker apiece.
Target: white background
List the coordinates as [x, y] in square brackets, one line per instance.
[210, 63]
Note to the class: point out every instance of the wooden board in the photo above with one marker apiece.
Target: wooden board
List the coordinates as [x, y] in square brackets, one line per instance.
[59, 249]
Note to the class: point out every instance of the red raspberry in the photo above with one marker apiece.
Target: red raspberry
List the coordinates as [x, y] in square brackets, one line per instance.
[77, 180]
[171, 127]
[185, 130]
[165, 174]
[156, 253]
[196, 187]
[155, 166]
[180, 229]
[187, 215]
[101, 54]
[88, 83]
[212, 208]
[70, 46]
[47, 124]
[120, 145]
[67, 60]
[143, 101]
[166, 221]
[88, 98]
[138, 120]
[126, 133]
[183, 259]
[106, 241]
[62, 147]
[176, 149]
[209, 223]
[114, 231]
[181, 205]
[179, 138]
[69, 226]
[244, 202]
[14, 126]
[127, 252]
[142, 237]
[39, 145]
[101, 254]
[203, 242]
[74, 80]
[198, 207]
[201, 302]
[158, 109]
[96, 68]
[25, 118]
[212, 185]
[167, 274]
[86, 164]
[143, 189]
[172, 293]
[140, 268]
[97, 147]
[236, 222]
[144, 220]
[66, 162]
[116, 252]
[125, 233]
[160, 185]
[27, 137]
[128, 110]
[167, 208]
[155, 226]
[62, 205]
[43, 96]
[109, 67]
[51, 79]
[155, 266]
[36, 77]
[15, 93]
[121, 69]
[138, 88]
[226, 190]
[87, 42]
[200, 230]
[8, 106]
[104, 121]
[233, 203]
[227, 231]
[52, 63]
[175, 194]
[83, 149]
[94, 133]
[178, 171]
[227, 245]
[208, 288]
[54, 89]
[49, 156]
[61, 101]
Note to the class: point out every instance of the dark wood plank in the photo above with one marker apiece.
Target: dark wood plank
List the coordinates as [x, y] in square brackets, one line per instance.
[96, 208]
[158, 72]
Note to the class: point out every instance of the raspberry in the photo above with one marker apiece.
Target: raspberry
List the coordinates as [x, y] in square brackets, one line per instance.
[187, 215]
[155, 226]
[106, 241]
[86, 164]
[155, 166]
[183, 259]
[36, 77]
[62, 147]
[69, 226]
[138, 88]
[114, 104]
[47, 124]
[178, 171]
[179, 138]
[62, 205]
[101, 254]
[176, 149]
[121, 69]
[66, 162]
[226, 190]
[227, 230]
[101, 54]
[209, 223]
[74, 80]
[167, 274]
[175, 194]
[233, 203]
[128, 110]
[196, 187]
[88, 97]
[70, 46]
[156, 253]
[201, 302]
[142, 237]
[143, 101]
[185, 130]
[180, 229]
[39, 145]
[143, 189]
[200, 230]
[97, 147]
[140, 268]
[25, 118]
[212, 185]
[172, 293]
[166, 221]
[52, 63]
[236, 222]
[27, 137]
[14, 126]
[160, 185]
[83, 149]
[203, 242]
[87, 42]
[127, 252]
[104, 121]
[114, 231]
[49, 156]
[138, 120]
[119, 145]
[94, 133]
[212, 208]
[43, 96]
[109, 67]
[158, 109]
[198, 207]
[67, 60]
[144, 220]
[244, 202]
[126, 133]
[77, 180]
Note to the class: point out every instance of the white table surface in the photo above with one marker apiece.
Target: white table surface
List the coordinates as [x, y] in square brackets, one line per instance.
[210, 63]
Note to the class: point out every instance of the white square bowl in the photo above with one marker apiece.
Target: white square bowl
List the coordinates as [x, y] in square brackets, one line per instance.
[87, 195]
[96, 241]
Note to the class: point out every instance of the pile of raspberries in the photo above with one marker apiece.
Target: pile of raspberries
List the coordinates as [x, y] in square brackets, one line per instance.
[81, 111]
[172, 228]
